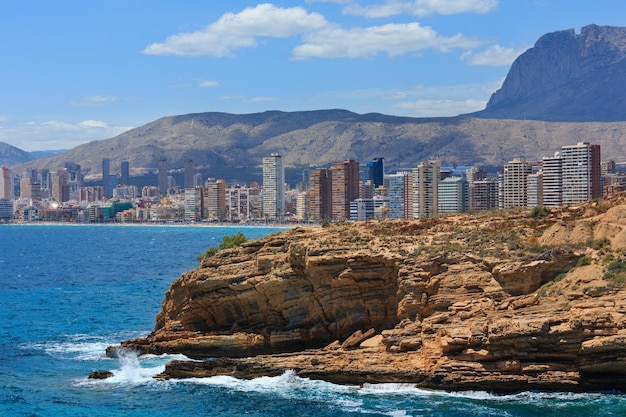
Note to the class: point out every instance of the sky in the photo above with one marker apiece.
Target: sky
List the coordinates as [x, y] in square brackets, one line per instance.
[74, 71]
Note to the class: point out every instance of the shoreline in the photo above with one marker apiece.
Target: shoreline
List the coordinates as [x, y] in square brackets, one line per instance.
[172, 224]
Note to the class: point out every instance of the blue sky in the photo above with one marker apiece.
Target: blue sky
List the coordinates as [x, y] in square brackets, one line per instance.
[73, 71]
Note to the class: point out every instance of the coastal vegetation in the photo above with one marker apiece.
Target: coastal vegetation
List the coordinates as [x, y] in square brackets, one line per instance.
[230, 241]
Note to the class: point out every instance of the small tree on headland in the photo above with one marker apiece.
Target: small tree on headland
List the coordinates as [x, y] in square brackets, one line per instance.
[227, 242]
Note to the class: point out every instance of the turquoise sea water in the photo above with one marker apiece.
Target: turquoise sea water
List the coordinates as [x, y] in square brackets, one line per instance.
[67, 292]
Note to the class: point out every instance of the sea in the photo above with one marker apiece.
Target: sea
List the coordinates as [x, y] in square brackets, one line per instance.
[69, 291]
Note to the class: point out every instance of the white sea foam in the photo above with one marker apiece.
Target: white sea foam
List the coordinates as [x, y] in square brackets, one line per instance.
[80, 347]
[135, 370]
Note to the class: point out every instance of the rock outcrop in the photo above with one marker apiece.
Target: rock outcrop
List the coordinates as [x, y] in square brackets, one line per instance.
[502, 302]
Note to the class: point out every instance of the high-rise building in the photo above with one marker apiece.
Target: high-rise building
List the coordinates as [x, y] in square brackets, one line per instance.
[474, 174]
[374, 171]
[6, 183]
[515, 180]
[534, 189]
[215, 200]
[582, 172]
[106, 177]
[273, 186]
[553, 180]
[302, 204]
[484, 195]
[453, 196]
[162, 176]
[193, 204]
[60, 186]
[345, 188]
[125, 172]
[399, 192]
[320, 195]
[189, 173]
[425, 190]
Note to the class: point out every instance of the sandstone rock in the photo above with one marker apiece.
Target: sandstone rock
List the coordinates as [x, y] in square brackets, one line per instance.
[453, 315]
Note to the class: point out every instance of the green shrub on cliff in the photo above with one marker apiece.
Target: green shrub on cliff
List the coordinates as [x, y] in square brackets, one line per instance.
[227, 242]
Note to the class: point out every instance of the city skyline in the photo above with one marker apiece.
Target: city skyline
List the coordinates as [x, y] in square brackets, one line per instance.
[69, 79]
[348, 190]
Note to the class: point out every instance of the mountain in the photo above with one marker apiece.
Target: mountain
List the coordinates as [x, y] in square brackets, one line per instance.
[566, 77]
[10, 155]
[43, 154]
[222, 144]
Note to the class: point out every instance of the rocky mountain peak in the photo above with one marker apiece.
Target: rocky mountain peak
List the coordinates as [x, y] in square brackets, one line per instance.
[566, 76]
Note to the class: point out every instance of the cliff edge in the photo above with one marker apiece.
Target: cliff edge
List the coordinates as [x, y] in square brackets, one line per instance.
[504, 301]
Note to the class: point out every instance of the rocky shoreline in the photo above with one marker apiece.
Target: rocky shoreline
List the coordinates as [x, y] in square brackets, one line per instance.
[503, 302]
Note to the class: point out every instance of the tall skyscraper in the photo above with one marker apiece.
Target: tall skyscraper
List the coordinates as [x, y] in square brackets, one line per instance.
[534, 189]
[515, 192]
[345, 188]
[162, 176]
[215, 200]
[61, 186]
[377, 171]
[6, 183]
[273, 186]
[425, 190]
[125, 172]
[320, 195]
[106, 177]
[582, 172]
[553, 180]
[189, 173]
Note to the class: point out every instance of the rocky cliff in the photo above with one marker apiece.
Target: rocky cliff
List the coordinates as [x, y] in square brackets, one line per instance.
[566, 77]
[505, 301]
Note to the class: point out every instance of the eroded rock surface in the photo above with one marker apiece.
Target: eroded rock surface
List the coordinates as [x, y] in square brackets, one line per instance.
[500, 302]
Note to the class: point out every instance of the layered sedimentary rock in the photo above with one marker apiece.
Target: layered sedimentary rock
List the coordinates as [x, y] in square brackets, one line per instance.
[503, 302]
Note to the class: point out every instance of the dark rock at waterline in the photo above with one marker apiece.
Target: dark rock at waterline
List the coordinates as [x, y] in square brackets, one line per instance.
[100, 375]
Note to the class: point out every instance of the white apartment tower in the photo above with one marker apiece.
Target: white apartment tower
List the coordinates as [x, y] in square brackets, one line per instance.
[273, 186]
[581, 172]
[553, 180]
[425, 190]
[515, 180]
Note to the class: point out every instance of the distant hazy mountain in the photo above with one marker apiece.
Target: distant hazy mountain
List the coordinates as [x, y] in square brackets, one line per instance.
[43, 154]
[566, 77]
[10, 155]
[219, 141]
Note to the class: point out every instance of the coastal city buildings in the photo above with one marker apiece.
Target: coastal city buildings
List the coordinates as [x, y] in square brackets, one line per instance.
[343, 191]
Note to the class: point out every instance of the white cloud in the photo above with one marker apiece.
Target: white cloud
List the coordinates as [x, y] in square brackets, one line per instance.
[54, 134]
[494, 56]
[441, 108]
[93, 123]
[241, 30]
[244, 99]
[208, 84]
[421, 7]
[93, 100]
[393, 39]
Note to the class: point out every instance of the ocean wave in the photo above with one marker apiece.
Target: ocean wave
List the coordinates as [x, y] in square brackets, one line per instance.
[80, 347]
